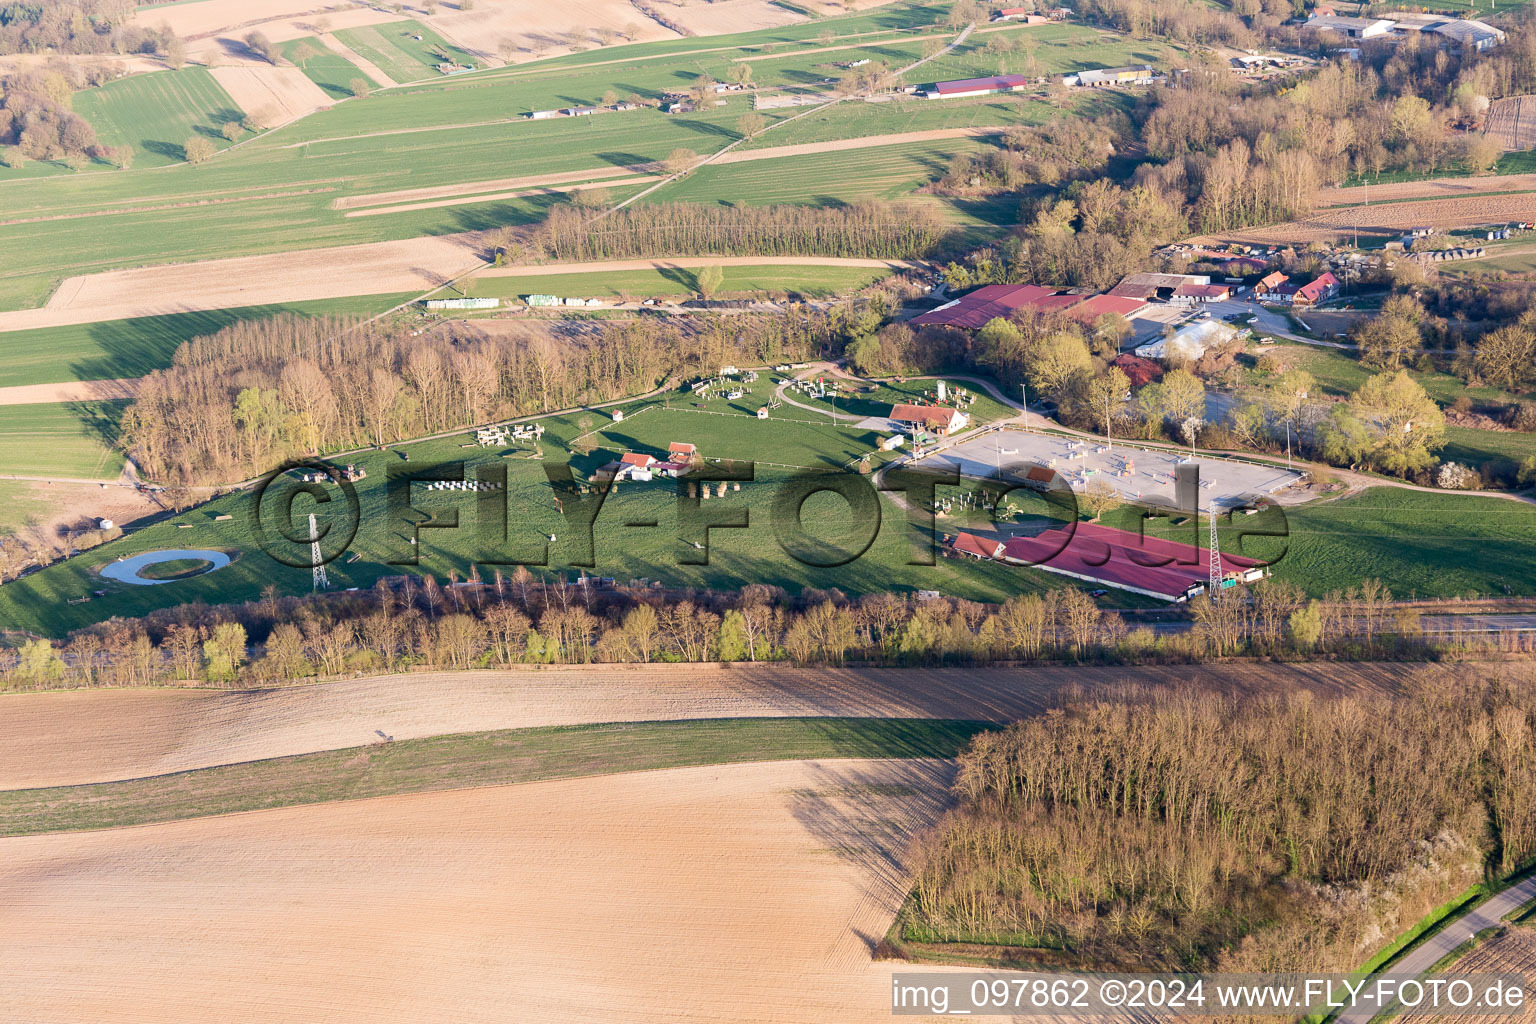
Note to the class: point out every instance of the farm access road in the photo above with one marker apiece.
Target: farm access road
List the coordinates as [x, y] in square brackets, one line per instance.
[1488, 914]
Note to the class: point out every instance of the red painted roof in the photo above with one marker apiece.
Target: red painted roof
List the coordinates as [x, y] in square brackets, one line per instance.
[1203, 291]
[1015, 10]
[1079, 552]
[1090, 310]
[986, 303]
[928, 415]
[681, 448]
[1270, 281]
[1314, 290]
[977, 84]
[985, 547]
[637, 459]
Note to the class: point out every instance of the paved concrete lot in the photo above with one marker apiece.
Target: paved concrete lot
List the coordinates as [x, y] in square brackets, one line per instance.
[1139, 474]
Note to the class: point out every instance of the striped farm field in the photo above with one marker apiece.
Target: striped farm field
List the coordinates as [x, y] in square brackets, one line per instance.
[113, 349]
[69, 439]
[157, 113]
[812, 282]
[332, 72]
[885, 172]
[406, 51]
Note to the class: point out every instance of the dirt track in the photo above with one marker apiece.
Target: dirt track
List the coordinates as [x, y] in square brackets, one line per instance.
[742, 893]
[75, 737]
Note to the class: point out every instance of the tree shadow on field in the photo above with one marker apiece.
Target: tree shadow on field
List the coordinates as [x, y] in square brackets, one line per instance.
[707, 128]
[687, 279]
[872, 818]
[169, 150]
[625, 159]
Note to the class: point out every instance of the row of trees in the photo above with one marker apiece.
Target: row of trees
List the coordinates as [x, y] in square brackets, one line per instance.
[522, 619]
[874, 230]
[1282, 832]
[237, 402]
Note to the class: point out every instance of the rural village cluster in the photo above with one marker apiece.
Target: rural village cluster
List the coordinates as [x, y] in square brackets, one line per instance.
[767, 511]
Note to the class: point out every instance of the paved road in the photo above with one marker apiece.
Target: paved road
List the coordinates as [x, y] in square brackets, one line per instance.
[1421, 958]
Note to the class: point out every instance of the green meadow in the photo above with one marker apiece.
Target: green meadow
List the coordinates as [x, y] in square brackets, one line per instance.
[65, 439]
[404, 50]
[156, 113]
[328, 69]
[278, 191]
[113, 349]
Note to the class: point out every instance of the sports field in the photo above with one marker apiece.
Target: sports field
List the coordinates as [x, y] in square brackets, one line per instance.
[73, 439]
[157, 113]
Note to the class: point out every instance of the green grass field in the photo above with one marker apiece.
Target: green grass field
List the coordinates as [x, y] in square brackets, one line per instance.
[68, 439]
[326, 68]
[811, 282]
[447, 131]
[404, 50]
[470, 760]
[156, 113]
[834, 178]
[131, 348]
[791, 439]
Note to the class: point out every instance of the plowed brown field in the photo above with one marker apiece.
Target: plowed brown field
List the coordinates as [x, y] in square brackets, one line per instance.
[744, 893]
[53, 739]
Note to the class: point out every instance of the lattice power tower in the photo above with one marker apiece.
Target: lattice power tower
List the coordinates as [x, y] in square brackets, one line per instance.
[321, 582]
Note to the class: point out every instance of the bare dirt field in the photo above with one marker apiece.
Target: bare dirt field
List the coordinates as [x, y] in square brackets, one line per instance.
[739, 156]
[362, 63]
[1512, 951]
[1512, 122]
[494, 196]
[285, 90]
[1392, 219]
[711, 19]
[367, 269]
[747, 893]
[1429, 188]
[540, 29]
[74, 391]
[73, 737]
[214, 28]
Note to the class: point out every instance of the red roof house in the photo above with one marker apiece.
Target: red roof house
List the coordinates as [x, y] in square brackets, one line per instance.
[1321, 290]
[937, 418]
[1089, 310]
[683, 448]
[972, 546]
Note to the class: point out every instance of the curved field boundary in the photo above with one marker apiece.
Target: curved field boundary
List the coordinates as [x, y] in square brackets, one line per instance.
[471, 761]
[83, 736]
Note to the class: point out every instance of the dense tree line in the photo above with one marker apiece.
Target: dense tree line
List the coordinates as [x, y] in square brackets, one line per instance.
[235, 403]
[1268, 833]
[36, 121]
[874, 230]
[499, 621]
[74, 26]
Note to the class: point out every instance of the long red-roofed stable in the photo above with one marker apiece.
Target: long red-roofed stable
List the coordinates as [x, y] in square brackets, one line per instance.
[1102, 554]
[991, 301]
